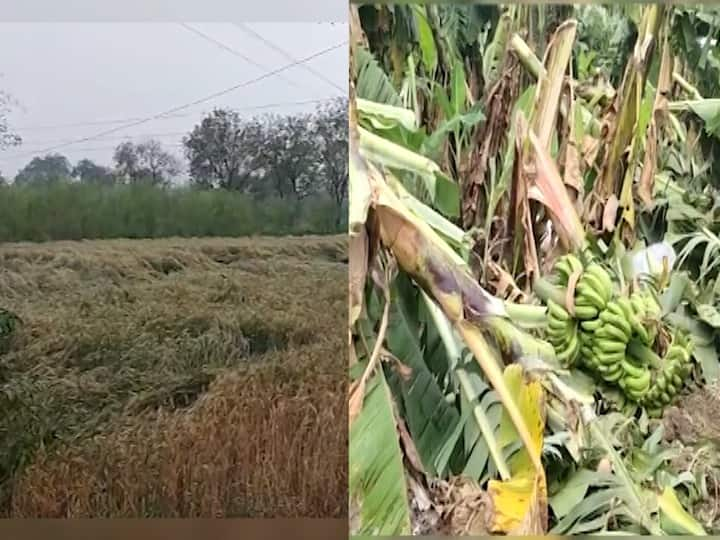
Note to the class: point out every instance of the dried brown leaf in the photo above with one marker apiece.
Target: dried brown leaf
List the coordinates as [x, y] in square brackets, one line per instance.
[570, 291]
[402, 369]
[572, 175]
[424, 514]
[610, 213]
[466, 508]
[357, 390]
[647, 177]
[411, 452]
[551, 83]
[522, 225]
[488, 141]
[355, 401]
[504, 284]
[590, 148]
[356, 30]
[627, 105]
[550, 190]
[358, 267]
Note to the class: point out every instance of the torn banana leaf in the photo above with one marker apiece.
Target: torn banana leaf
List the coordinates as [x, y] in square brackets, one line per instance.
[376, 475]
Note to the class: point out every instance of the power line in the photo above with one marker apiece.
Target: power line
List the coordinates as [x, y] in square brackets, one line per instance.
[107, 148]
[170, 116]
[96, 122]
[245, 28]
[232, 51]
[184, 106]
[119, 137]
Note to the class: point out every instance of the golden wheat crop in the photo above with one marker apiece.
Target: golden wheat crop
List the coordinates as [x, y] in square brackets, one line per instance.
[174, 378]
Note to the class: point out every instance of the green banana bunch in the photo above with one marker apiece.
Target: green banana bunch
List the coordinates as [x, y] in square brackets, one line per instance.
[562, 333]
[602, 325]
[609, 340]
[670, 380]
[592, 292]
[635, 381]
[647, 311]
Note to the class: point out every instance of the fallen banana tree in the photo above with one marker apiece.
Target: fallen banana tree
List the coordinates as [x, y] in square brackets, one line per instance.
[449, 381]
[465, 313]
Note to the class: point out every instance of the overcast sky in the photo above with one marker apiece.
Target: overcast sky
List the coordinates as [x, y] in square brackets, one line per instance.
[62, 73]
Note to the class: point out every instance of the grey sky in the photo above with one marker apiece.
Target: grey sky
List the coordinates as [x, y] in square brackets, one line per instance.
[65, 73]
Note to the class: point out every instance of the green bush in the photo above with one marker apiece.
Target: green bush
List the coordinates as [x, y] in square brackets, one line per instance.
[72, 211]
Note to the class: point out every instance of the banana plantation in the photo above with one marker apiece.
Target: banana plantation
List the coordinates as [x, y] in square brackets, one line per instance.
[534, 269]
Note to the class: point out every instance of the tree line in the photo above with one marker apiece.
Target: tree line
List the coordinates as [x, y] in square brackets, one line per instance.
[281, 157]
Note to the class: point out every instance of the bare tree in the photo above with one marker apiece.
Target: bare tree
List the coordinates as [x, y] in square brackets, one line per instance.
[145, 162]
[331, 141]
[161, 165]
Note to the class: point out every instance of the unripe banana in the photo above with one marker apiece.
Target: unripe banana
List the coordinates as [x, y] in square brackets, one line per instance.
[624, 304]
[643, 334]
[632, 369]
[640, 383]
[557, 311]
[613, 375]
[616, 320]
[575, 264]
[591, 326]
[610, 346]
[603, 277]
[557, 324]
[611, 332]
[569, 354]
[563, 270]
[608, 359]
[587, 293]
[586, 313]
[675, 354]
[638, 305]
[595, 284]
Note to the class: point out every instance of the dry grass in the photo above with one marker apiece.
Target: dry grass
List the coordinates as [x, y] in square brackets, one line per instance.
[175, 378]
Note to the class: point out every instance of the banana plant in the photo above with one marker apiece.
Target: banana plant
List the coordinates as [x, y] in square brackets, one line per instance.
[430, 346]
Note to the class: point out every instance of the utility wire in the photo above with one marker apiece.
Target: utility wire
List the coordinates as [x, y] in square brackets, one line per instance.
[94, 122]
[184, 106]
[234, 52]
[115, 137]
[183, 115]
[107, 148]
[247, 29]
